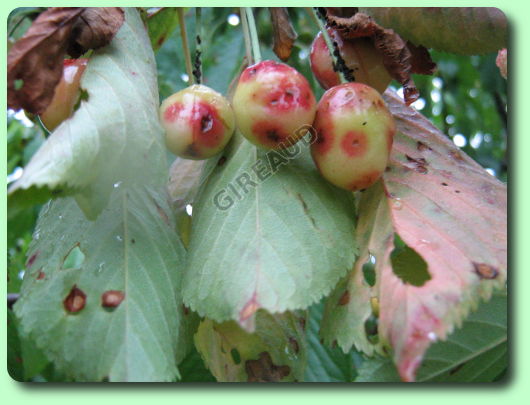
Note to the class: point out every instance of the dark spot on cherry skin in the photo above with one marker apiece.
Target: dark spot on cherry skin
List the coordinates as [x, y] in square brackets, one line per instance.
[206, 123]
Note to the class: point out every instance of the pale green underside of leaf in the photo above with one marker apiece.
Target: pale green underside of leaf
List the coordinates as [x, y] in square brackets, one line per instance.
[114, 136]
[129, 248]
[226, 348]
[461, 30]
[282, 245]
[478, 352]
[113, 150]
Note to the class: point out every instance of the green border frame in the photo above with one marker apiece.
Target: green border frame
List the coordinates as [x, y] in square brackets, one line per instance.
[513, 389]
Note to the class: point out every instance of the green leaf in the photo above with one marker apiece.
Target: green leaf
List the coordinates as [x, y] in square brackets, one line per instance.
[161, 24]
[113, 138]
[326, 364]
[275, 352]
[461, 30]
[278, 244]
[132, 248]
[110, 283]
[14, 351]
[192, 369]
[475, 353]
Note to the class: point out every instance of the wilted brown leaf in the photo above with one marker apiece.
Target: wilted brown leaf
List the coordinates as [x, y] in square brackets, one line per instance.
[284, 33]
[400, 58]
[94, 29]
[34, 63]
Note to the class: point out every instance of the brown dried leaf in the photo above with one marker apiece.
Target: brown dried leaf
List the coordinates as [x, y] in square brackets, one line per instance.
[400, 58]
[284, 33]
[36, 59]
[34, 63]
[94, 29]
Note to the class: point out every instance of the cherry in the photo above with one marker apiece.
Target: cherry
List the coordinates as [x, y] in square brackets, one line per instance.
[198, 122]
[360, 56]
[66, 94]
[272, 102]
[354, 134]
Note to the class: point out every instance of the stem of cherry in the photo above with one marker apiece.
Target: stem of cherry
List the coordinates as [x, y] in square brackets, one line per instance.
[251, 23]
[246, 35]
[185, 47]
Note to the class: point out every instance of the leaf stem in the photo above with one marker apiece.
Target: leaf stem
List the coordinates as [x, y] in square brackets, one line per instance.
[185, 47]
[253, 34]
[246, 35]
[197, 72]
[331, 47]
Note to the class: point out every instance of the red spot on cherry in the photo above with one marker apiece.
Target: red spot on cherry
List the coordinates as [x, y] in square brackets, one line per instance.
[354, 143]
[172, 112]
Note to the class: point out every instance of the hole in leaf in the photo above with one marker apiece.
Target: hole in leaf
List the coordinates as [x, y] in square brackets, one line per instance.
[235, 356]
[407, 264]
[370, 328]
[369, 271]
[74, 259]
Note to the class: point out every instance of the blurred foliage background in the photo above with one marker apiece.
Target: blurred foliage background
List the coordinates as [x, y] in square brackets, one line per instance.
[466, 99]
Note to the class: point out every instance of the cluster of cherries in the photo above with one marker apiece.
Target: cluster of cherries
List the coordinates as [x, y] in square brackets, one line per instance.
[352, 130]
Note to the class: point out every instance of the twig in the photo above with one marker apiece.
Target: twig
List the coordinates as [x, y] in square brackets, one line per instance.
[185, 47]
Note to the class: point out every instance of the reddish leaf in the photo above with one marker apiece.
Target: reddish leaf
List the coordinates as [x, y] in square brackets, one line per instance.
[284, 33]
[35, 62]
[399, 57]
[448, 210]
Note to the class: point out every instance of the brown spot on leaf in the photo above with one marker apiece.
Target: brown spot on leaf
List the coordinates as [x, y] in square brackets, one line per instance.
[422, 147]
[75, 300]
[32, 259]
[417, 164]
[185, 309]
[112, 298]
[344, 298]
[264, 370]
[456, 155]
[485, 271]
[40, 275]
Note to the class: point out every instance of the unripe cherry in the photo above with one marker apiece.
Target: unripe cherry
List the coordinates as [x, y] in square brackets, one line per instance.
[272, 102]
[198, 122]
[360, 56]
[354, 134]
[66, 94]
